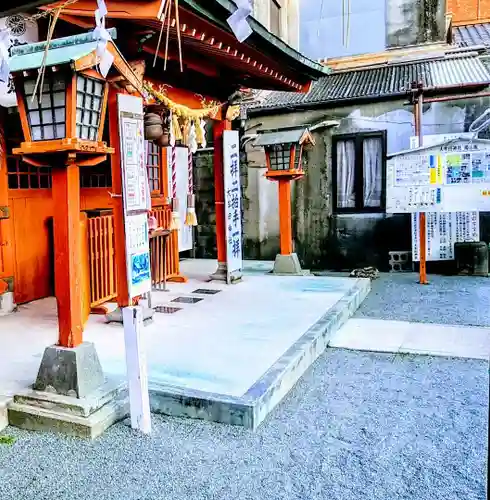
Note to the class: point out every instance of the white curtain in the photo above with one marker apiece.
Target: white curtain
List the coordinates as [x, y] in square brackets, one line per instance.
[346, 159]
[372, 172]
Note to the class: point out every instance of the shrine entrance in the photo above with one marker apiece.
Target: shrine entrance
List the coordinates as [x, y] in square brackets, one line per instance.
[31, 207]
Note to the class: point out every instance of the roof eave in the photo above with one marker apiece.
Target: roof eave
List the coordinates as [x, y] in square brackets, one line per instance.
[267, 41]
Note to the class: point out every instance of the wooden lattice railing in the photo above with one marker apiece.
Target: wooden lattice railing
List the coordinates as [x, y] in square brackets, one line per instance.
[101, 255]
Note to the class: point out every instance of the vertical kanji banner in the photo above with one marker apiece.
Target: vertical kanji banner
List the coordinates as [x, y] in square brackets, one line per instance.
[233, 208]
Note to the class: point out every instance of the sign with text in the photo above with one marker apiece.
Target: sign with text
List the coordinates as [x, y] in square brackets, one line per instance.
[450, 177]
[135, 193]
[233, 205]
[443, 230]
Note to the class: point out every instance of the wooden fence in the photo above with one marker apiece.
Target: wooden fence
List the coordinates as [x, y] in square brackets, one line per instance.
[101, 255]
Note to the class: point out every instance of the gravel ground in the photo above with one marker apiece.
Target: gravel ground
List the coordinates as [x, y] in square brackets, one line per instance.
[455, 300]
[358, 425]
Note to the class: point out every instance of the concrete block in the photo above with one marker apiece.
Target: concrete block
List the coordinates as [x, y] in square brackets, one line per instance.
[115, 316]
[288, 265]
[7, 304]
[80, 417]
[4, 421]
[74, 372]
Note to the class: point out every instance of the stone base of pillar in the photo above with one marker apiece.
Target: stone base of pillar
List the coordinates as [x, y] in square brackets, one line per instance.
[288, 265]
[7, 304]
[70, 395]
[117, 317]
[221, 272]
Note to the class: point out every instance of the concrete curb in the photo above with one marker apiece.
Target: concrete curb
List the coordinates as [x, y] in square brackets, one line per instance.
[252, 408]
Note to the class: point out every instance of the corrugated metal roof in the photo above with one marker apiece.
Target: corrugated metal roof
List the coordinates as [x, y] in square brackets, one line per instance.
[471, 35]
[389, 80]
[286, 136]
[437, 144]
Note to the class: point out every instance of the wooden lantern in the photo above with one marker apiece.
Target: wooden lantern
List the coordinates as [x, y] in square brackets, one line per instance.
[284, 150]
[62, 114]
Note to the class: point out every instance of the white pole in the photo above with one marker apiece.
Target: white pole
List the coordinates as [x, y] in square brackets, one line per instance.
[139, 398]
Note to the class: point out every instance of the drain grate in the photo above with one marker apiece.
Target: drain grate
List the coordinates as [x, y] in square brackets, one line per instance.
[187, 300]
[206, 291]
[167, 309]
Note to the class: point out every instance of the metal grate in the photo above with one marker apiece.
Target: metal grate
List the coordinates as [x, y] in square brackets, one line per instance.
[167, 309]
[280, 156]
[206, 291]
[89, 107]
[187, 300]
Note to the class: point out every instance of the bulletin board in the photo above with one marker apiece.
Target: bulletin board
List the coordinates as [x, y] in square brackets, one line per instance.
[450, 177]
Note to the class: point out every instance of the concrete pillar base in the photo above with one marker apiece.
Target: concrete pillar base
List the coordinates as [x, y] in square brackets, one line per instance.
[117, 317]
[86, 417]
[288, 265]
[221, 272]
[74, 372]
[7, 304]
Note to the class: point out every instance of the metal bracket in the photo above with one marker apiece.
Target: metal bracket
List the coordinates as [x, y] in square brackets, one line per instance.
[4, 213]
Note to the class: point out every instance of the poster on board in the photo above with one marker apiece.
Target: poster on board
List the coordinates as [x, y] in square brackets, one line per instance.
[450, 177]
[233, 204]
[443, 230]
[136, 194]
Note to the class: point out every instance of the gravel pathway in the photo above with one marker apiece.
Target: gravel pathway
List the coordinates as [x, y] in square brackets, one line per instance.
[455, 300]
[357, 426]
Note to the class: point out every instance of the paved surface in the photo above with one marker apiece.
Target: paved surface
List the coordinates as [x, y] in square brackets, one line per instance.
[455, 300]
[369, 334]
[359, 425]
[222, 344]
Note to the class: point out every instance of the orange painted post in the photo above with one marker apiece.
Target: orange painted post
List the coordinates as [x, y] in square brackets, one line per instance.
[219, 193]
[67, 248]
[119, 233]
[285, 219]
[423, 233]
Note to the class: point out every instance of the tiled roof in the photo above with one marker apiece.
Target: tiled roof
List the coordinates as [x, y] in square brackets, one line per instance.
[471, 35]
[388, 80]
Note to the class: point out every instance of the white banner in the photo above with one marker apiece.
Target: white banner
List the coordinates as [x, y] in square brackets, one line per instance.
[443, 230]
[233, 205]
[21, 31]
[136, 194]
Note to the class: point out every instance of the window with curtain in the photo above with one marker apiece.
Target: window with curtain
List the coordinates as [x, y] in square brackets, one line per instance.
[275, 17]
[359, 172]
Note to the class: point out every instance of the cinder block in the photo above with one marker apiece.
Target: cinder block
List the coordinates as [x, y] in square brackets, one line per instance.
[400, 261]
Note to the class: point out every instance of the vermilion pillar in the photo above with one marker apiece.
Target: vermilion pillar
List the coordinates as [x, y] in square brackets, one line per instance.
[117, 202]
[285, 217]
[67, 247]
[219, 194]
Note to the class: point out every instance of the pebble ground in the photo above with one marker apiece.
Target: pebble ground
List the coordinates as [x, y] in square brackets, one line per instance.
[357, 426]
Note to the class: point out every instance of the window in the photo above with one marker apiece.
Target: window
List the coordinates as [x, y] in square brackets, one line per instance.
[21, 175]
[96, 177]
[89, 107]
[359, 162]
[280, 156]
[153, 166]
[46, 115]
[275, 17]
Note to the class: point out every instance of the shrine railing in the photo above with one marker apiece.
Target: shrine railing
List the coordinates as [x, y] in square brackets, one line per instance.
[101, 255]
[101, 260]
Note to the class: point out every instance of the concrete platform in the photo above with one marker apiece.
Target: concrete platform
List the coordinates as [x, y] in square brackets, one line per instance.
[223, 353]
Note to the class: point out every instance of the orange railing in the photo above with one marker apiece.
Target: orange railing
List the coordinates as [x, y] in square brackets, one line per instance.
[102, 259]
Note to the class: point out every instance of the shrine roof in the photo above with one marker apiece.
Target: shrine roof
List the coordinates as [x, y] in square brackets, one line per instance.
[61, 51]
